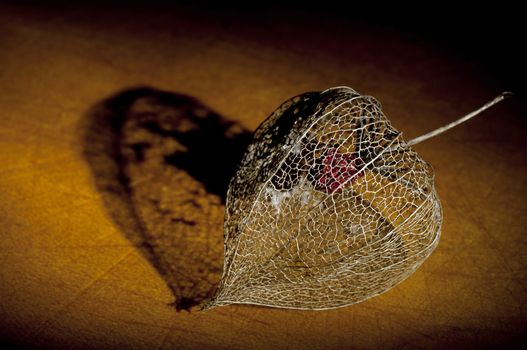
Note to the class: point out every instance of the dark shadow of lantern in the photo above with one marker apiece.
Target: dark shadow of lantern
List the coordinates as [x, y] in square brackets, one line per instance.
[162, 162]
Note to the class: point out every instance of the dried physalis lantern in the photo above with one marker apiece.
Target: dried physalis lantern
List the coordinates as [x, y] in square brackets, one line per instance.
[329, 207]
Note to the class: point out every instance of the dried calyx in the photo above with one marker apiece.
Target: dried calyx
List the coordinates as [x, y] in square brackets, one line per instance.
[329, 207]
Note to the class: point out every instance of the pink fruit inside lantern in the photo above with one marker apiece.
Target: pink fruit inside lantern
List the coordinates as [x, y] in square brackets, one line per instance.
[339, 170]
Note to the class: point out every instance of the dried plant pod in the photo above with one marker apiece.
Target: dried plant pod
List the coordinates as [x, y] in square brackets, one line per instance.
[329, 207]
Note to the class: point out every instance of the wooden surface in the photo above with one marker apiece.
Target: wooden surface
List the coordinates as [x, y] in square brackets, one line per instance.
[74, 273]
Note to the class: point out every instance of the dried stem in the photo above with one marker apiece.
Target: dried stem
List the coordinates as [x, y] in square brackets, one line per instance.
[463, 119]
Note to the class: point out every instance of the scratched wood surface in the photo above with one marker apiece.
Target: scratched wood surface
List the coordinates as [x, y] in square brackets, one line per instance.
[75, 273]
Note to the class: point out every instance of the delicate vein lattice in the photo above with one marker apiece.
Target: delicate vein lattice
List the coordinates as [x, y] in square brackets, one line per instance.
[330, 206]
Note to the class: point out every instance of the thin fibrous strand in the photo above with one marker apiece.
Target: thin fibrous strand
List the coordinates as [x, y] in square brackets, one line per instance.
[463, 119]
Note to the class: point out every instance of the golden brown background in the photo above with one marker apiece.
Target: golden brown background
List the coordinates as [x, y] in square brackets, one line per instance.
[75, 273]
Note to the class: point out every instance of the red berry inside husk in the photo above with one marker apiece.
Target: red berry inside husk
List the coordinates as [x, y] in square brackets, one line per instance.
[339, 171]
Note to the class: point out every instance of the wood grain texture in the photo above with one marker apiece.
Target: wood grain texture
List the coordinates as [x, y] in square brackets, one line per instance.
[71, 276]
